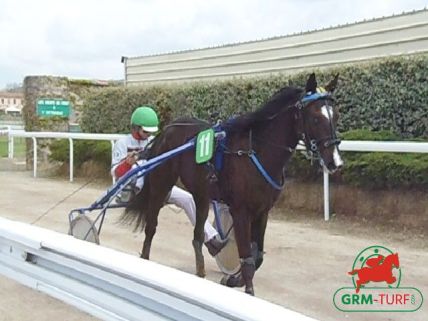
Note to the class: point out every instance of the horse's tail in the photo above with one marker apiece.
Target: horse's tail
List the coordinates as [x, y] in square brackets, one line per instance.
[353, 272]
[136, 209]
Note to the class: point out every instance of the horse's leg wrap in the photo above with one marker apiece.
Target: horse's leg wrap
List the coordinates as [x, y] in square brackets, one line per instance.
[248, 268]
[247, 261]
[233, 281]
[200, 264]
[257, 255]
[239, 279]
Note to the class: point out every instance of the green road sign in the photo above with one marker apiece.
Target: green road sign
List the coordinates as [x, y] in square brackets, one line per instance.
[204, 146]
[53, 107]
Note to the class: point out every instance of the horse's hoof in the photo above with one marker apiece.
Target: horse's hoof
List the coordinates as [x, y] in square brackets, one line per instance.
[250, 291]
[201, 274]
[232, 281]
[224, 279]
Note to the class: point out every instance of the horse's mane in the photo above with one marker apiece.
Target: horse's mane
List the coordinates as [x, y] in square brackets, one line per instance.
[183, 122]
[279, 101]
[282, 99]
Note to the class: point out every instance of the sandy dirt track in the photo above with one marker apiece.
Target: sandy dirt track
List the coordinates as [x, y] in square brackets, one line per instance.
[305, 263]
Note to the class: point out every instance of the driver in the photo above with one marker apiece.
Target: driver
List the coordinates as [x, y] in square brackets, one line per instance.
[144, 123]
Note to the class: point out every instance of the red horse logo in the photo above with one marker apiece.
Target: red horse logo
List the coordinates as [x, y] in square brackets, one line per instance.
[378, 269]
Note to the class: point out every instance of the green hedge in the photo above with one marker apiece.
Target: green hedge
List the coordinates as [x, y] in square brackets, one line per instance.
[387, 170]
[84, 150]
[388, 94]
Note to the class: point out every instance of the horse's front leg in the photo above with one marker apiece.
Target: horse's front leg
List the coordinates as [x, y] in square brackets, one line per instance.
[242, 227]
[258, 228]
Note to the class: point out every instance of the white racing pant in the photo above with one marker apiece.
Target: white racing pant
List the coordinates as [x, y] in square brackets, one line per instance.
[184, 200]
[140, 181]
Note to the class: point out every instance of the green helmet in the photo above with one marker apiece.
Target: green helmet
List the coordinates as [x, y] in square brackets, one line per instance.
[145, 117]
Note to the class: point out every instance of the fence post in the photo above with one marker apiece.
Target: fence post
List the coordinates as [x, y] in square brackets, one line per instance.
[112, 146]
[9, 142]
[326, 196]
[34, 156]
[71, 158]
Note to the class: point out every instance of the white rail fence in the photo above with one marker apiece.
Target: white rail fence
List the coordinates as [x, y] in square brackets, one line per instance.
[355, 146]
[84, 275]
[59, 135]
[4, 129]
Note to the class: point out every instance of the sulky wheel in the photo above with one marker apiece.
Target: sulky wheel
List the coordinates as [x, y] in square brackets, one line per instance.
[228, 259]
[82, 228]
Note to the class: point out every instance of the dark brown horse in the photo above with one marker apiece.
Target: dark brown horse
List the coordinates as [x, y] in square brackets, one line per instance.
[271, 134]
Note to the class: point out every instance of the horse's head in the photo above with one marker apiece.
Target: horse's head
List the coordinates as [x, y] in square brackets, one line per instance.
[318, 118]
[395, 260]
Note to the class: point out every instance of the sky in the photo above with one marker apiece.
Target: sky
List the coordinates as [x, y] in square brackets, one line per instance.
[86, 39]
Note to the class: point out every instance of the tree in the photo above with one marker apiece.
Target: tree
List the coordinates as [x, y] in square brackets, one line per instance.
[14, 87]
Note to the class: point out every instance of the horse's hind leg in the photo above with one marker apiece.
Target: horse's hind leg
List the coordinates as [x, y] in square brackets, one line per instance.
[183, 199]
[199, 257]
[149, 231]
[159, 189]
[194, 178]
[202, 207]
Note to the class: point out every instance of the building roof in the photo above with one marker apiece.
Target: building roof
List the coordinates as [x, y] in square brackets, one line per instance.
[8, 94]
[340, 26]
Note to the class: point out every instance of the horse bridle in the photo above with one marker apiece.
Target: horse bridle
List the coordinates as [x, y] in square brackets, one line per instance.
[311, 144]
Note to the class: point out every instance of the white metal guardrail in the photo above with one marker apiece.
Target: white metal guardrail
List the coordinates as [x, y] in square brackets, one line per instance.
[112, 285]
[355, 146]
[369, 146]
[64, 135]
[5, 129]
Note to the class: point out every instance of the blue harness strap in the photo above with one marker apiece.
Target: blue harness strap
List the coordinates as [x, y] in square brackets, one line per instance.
[219, 148]
[314, 96]
[219, 154]
[219, 158]
[264, 173]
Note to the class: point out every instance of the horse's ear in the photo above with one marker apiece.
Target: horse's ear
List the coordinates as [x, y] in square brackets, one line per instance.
[331, 86]
[311, 84]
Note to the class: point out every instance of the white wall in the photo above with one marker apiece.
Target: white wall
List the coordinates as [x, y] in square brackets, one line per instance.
[390, 36]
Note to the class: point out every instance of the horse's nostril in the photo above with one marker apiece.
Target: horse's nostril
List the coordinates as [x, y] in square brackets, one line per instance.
[331, 166]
